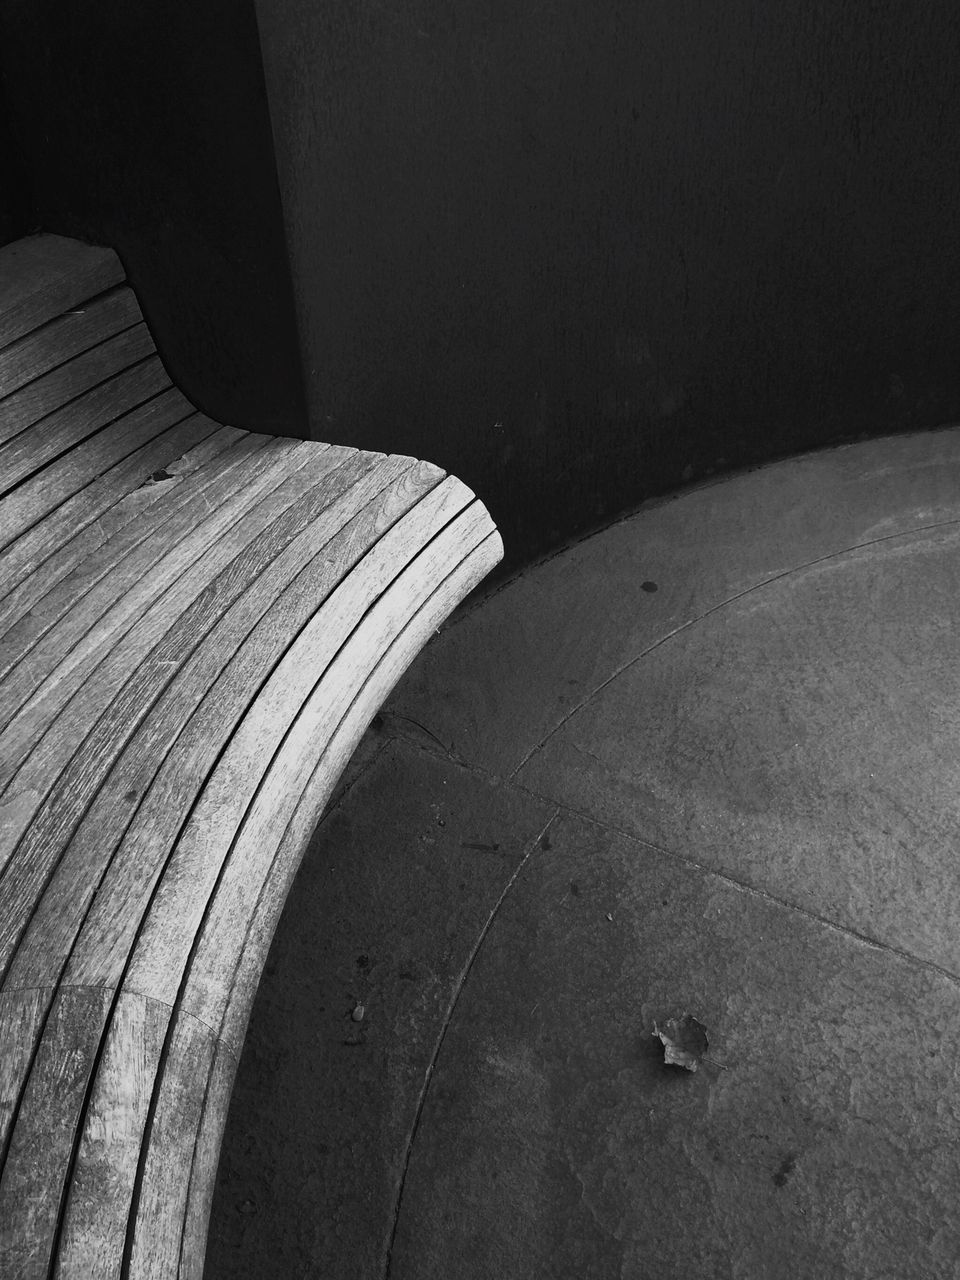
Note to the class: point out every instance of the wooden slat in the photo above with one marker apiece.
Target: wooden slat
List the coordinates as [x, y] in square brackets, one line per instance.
[219, 936]
[67, 336]
[224, 809]
[203, 1173]
[49, 394]
[140, 619]
[22, 1014]
[169, 1155]
[100, 1193]
[41, 557]
[54, 484]
[257, 629]
[33, 1180]
[43, 276]
[24, 455]
[241, 986]
[37, 746]
[124, 564]
[160, 512]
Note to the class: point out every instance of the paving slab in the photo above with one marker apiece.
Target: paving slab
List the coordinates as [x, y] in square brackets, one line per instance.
[804, 738]
[821, 1138]
[502, 678]
[389, 905]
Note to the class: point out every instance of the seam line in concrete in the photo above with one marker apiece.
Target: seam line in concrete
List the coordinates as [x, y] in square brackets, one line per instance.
[532, 846]
[683, 859]
[692, 622]
[744, 886]
[341, 793]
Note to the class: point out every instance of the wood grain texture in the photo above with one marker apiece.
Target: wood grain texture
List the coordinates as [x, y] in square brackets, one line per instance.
[241, 986]
[33, 1181]
[169, 1154]
[103, 713]
[21, 1019]
[243, 982]
[138, 622]
[206, 1156]
[67, 336]
[196, 625]
[55, 390]
[46, 489]
[162, 770]
[37, 560]
[100, 1194]
[41, 277]
[253, 791]
[110, 931]
[123, 562]
[149, 792]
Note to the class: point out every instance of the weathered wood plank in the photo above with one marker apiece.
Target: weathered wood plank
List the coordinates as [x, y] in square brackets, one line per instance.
[34, 1176]
[113, 1130]
[43, 276]
[21, 1020]
[28, 452]
[166, 764]
[241, 986]
[48, 488]
[224, 808]
[123, 563]
[206, 1156]
[39, 748]
[169, 1154]
[73, 752]
[149, 513]
[47, 395]
[39, 558]
[223, 929]
[67, 336]
[137, 624]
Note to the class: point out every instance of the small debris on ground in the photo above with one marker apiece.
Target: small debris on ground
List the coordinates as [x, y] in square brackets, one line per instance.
[684, 1041]
[358, 1012]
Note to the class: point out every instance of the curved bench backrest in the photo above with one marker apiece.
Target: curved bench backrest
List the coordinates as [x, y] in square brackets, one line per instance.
[196, 626]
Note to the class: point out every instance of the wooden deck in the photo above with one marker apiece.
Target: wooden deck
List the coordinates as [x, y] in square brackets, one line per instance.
[196, 626]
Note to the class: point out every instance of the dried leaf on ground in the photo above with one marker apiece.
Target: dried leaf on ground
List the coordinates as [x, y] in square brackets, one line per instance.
[684, 1041]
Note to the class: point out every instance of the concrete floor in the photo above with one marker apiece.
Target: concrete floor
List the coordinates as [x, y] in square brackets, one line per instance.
[707, 760]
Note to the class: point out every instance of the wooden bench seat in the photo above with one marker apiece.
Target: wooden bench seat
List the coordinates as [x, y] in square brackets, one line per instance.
[197, 624]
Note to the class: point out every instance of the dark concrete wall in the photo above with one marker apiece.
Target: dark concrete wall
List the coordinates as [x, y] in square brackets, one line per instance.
[581, 250]
[16, 202]
[145, 126]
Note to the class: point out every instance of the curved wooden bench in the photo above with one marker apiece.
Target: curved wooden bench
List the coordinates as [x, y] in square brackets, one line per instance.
[196, 626]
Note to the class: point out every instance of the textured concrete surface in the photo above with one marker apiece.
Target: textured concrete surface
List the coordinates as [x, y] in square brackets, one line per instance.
[556, 1143]
[387, 912]
[704, 761]
[804, 739]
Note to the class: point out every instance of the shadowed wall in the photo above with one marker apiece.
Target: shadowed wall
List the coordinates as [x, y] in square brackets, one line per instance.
[16, 204]
[580, 252]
